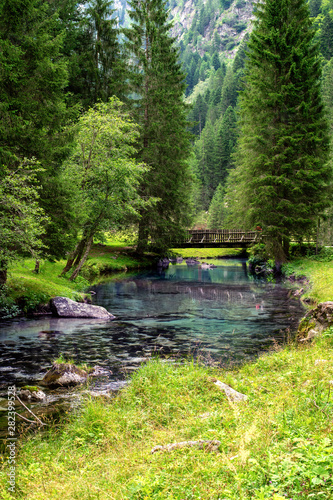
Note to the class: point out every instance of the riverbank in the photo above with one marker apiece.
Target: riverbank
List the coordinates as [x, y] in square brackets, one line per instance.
[27, 290]
[277, 444]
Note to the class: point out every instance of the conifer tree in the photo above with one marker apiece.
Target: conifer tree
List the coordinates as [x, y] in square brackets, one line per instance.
[282, 175]
[216, 217]
[33, 110]
[159, 84]
[326, 36]
[102, 67]
[225, 144]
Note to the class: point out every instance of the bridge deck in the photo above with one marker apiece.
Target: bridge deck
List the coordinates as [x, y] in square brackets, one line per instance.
[219, 238]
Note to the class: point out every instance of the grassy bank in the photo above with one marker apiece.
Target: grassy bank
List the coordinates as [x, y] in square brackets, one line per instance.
[208, 253]
[29, 289]
[320, 276]
[276, 445]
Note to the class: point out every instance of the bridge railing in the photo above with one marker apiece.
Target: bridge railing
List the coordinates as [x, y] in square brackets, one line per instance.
[198, 236]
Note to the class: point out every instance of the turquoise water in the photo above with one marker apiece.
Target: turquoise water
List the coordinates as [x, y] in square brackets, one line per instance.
[220, 313]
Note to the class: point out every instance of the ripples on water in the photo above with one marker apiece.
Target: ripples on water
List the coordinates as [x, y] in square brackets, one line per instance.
[221, 311]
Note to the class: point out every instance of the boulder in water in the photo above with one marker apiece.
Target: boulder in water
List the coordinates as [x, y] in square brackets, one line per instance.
[31, 393]
[64, 374]
[67, 308]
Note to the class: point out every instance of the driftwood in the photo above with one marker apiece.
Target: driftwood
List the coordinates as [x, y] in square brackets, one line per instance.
[210, 445]
[232, 395]
[21, 402]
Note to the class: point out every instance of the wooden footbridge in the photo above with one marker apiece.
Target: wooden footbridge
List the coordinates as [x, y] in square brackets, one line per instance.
[219, 238]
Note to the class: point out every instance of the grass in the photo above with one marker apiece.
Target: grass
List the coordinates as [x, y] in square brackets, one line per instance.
[39, 288]
[320, 275]
[29, 289]
[208, 253]
[61, 360]
[276, 445]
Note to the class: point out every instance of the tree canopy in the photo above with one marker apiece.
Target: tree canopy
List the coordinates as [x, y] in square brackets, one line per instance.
[283, 177]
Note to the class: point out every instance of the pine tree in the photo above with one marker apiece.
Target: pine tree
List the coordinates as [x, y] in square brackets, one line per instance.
[159, 84]
[33, 111]
[225, 144]
[216, 217]
[32, 80]
[326, 36]
[97, 63]
[282, 175]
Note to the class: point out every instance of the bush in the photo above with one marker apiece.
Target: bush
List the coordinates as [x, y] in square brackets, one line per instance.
[8, 308]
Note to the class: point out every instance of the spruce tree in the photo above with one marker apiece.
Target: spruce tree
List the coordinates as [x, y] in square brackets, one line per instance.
[283, 179]
[216, 217]
[102, 67]
[33, 110]
[159, 85]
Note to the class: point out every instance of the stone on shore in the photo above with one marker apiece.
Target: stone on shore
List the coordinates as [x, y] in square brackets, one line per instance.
[67, 308]
[315, 321]
[28, 393]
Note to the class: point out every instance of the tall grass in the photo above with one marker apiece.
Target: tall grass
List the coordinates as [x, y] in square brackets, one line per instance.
[276, 445]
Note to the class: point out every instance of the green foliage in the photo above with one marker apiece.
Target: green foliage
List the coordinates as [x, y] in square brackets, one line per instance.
[98, 70]
[32, 80]
[164, 145]
[283, 176]
[21, 219]
[326, 36]
[8, 308]
[325, 254]
[103, 175]
[216, 219]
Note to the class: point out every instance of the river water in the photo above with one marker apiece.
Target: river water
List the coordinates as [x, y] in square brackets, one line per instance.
[221, 314]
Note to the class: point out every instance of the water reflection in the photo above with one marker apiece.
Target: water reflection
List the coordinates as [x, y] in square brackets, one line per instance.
[171, 311]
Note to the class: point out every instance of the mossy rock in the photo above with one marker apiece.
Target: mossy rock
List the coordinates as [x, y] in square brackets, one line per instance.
[32, 393]
[305, 326]
[64, 374]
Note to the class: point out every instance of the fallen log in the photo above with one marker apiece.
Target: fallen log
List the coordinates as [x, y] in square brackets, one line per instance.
[210, 445]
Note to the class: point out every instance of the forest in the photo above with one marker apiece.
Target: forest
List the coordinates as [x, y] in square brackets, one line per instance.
[109, 121]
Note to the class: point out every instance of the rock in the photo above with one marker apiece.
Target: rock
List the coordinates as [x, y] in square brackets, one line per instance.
[32, 394]
[232, 395]
[67, 308]
[315, 321]
[99, 371]
[191, 262]
[64, 374]
[311, 334]
[320, 361]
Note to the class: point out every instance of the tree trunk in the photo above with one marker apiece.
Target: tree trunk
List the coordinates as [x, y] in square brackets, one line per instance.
[142, 236]
[3, 272]
[84, 258]
[76, 255]
[70, 260]
[36, 270]
[285, 246]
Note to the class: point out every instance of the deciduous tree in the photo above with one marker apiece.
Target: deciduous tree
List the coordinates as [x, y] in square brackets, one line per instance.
[103, 175]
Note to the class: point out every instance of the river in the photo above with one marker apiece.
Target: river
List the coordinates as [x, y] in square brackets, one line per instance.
[222, 314]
